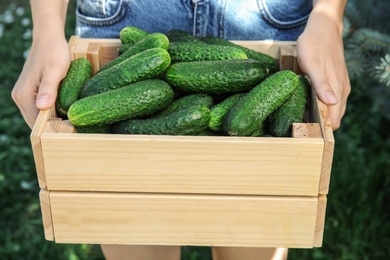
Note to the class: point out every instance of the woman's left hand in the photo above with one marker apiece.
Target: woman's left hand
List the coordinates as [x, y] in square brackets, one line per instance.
[320, 53]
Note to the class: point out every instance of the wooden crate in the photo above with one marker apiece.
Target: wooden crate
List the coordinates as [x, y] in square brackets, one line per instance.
[184, 190]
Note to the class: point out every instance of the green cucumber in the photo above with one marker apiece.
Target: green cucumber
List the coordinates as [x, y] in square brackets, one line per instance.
[218, 111]
[124, 47]
[144, 65]
[142, 98]
[291, 111]
[208, 132]
[189, 51]
[154, 40]
[261, 130]
[177, 35]
[131, 34]
[94, 129]
[80, 70]
[216, 77]
[246, 116]
[187, 100]
[252, 54]
[190, 120]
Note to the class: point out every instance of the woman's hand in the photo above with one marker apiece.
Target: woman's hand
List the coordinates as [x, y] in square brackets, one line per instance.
[321, 56]
[47, 62]
[46, 65]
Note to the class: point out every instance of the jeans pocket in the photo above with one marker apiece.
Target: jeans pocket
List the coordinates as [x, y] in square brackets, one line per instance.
[100, 12]
[284, 14]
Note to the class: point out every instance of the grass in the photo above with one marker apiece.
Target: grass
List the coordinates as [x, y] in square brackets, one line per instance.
[357, 219]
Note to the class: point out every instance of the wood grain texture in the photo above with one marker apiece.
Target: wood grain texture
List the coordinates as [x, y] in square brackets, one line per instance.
[306, 130]
[184, 190]
[320, 114]
[98, 51]
[174, 219]
[93, 55]
[320, 222]
[44, 197]
[35, 137]
[182, 164]
[287, 59]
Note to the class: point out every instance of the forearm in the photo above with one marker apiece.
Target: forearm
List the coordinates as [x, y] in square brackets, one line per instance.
[48, 17]
[333, 9]
[321, 56]
[47, 62]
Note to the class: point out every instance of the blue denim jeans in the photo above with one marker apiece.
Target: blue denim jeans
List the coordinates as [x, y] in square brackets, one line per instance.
[230, 19]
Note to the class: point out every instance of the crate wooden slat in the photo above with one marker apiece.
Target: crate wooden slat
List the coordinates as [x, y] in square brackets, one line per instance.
[320, 114]
[184, 190]
[172, 219]
[182, 164]
[44, 199]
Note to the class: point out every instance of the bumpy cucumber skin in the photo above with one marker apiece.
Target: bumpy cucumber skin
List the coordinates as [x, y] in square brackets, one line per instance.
[218, 111]
[131, 34]
[140, 99]
[182, 36]
[246, 116]
[124, 47]
[216, 77]
[252, 54]
[144, 65]
[291, 111]
[80, 70]
[94, 129]
[261, 130]
[208, 132]
[154, 40]
[189, 51]
[191, 120]
[185, 101]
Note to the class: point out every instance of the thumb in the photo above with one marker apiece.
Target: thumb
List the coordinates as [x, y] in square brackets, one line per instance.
[323, 89]
[326, 94]
[47, 92]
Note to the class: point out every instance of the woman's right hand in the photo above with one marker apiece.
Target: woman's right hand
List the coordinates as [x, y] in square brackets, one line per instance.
[46, 65]
[48, 60]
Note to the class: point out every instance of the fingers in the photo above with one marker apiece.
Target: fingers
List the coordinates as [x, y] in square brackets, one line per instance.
[46, 65]
[47, 91]
[332, 87]
[330, 82]
[33, 92]
[326, 92]
[27, 109]
[322, 87]
[321, 57]
[329, 94]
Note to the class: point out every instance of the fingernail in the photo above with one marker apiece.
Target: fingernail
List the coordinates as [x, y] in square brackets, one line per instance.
[43, 101]
[331, 98]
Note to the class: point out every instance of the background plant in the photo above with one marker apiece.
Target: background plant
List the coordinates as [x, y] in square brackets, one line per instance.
[357, 221]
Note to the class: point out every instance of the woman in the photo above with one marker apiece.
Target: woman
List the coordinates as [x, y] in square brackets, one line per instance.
[317, 26]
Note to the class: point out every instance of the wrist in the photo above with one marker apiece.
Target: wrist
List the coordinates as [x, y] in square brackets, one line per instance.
[332, 9]
[48, 28]
[48, 17]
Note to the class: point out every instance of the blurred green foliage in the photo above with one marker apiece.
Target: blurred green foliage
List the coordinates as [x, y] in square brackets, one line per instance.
[357, 219]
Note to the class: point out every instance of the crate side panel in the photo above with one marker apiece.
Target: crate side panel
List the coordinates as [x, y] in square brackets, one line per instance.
[44, 198]
[320, 115]
[320, 223]
[201, 220]
[36, 145]
[226, 165]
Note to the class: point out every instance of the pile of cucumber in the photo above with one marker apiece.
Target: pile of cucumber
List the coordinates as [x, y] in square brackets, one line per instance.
[179, 84]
